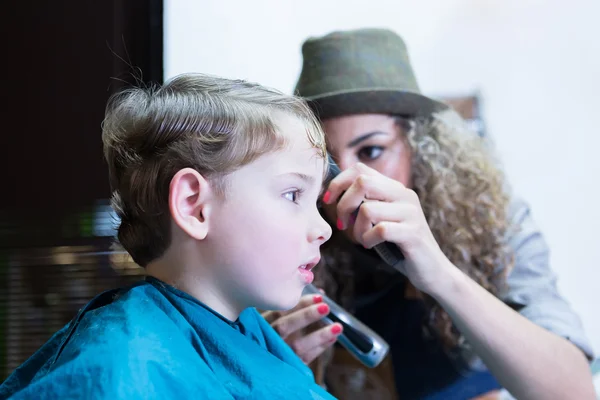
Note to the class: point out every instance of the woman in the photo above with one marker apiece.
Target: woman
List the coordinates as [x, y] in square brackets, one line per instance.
[477, 307]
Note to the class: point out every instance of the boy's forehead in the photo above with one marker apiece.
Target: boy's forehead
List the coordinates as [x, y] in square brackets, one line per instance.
[289, 125]
[300, 155]
[295, 131]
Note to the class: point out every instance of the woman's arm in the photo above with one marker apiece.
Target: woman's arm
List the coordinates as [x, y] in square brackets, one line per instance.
[529, 361]
[526, 351]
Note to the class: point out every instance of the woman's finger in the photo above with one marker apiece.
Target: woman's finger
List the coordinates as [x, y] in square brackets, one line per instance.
[305, 301]
[342, 182]
[400, 233]
[364, 187]
[300, 319]
[313, 345]
[370, 187]
[373, 212]
[271, 316]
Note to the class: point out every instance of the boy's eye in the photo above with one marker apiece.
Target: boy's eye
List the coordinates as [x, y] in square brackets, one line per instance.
[292, 195]
[369, 153]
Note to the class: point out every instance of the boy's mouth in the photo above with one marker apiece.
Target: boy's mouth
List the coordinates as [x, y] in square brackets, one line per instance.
[311, 264]
[305, 270]
[307, 267]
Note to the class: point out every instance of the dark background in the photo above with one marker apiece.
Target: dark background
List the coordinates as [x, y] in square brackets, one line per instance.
[60, 58]
[61, 61]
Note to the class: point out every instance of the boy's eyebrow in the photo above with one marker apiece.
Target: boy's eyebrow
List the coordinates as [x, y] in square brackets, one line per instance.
[306, 178]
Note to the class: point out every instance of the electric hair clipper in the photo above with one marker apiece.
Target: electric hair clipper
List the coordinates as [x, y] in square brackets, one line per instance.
[361, 341]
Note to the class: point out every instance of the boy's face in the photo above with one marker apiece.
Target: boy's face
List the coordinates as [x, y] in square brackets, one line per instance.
[268, 230]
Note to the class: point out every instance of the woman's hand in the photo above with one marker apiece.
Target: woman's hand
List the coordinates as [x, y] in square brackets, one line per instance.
[300, 327]
[389, 212]
[528, 360]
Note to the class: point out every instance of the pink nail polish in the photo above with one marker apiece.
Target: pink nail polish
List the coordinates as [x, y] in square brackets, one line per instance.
[339, 224]
[326, 196]
[323, 309]
[336, 329]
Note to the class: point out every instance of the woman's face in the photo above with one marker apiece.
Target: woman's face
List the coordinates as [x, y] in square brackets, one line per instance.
[372, 139]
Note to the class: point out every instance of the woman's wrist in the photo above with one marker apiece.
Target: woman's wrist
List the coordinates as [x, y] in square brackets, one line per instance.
[448, 282]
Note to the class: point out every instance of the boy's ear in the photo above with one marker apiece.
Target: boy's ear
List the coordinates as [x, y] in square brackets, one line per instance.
[189, 195]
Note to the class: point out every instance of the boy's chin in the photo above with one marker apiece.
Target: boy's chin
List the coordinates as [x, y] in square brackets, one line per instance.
[284, 303]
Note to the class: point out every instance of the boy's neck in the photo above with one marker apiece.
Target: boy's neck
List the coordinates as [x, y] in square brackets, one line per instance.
[195, 279]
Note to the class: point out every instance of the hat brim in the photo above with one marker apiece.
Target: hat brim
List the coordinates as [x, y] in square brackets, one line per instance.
[374, 101]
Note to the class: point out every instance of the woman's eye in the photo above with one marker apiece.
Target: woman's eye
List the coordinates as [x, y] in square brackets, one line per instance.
[370, 153]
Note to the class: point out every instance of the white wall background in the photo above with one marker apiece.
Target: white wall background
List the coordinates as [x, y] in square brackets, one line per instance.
[536, 64]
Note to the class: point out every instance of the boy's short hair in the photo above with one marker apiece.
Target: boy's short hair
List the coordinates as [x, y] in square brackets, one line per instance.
[213, 125]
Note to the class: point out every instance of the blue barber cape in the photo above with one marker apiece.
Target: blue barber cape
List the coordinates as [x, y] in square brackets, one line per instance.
[153, 341]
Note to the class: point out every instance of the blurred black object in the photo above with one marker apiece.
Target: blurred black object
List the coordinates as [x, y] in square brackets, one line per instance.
[61, 62]
[59, 58]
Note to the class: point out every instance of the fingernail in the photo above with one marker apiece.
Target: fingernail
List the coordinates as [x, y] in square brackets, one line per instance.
[317, 298]
[336, 329]
[323, 309]
[339, 224]
[326, 196]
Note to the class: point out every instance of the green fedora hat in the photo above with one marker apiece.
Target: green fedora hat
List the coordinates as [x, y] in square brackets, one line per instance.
[361, 71]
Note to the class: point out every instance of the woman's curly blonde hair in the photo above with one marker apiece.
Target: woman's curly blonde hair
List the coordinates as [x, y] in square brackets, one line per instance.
[464, 198]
